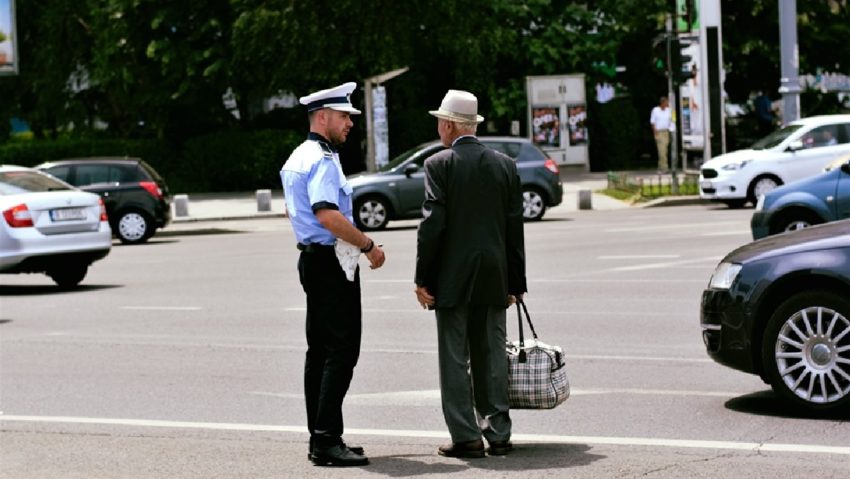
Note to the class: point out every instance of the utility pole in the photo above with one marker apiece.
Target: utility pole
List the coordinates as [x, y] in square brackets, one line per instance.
[673, 69]
[789, 83]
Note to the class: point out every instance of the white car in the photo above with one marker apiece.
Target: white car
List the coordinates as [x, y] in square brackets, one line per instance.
[48, 226]
[799, 150]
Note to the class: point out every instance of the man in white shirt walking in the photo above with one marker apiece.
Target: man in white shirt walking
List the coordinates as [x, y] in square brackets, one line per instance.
[661, 121]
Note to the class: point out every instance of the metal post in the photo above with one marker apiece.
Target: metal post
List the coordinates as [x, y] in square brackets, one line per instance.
[674, 104]
[370, 141]
[789, 83]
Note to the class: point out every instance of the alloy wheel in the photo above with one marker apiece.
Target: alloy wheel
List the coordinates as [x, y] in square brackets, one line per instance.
[797, 225]
[532, 205]
[812, 353]
[372, 214]
[764, 186]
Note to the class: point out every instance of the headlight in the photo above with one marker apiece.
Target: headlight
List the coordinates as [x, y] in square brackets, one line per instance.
[724, 275]
[735, 166]
[760, 203]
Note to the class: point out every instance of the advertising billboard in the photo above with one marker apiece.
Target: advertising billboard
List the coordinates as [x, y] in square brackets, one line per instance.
[8, 44]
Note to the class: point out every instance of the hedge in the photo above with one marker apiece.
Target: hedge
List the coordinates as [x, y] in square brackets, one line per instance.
[218, 162]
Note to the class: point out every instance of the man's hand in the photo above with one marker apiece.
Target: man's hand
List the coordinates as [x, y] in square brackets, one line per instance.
[512, 300]
[376, 257]
[424, 297]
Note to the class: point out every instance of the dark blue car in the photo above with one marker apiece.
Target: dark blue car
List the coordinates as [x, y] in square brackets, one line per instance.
[815, 200]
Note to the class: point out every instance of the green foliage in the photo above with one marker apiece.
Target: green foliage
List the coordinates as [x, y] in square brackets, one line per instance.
[31, 153]
[236, 160]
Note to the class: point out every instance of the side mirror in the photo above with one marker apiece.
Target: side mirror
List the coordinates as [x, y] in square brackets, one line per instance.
[410, 169]
[846, 167]
[794, 146]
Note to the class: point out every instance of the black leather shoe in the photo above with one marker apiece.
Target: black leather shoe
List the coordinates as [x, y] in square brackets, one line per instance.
[468, 450]
[500, 448]
[354, 449]
[339, 456]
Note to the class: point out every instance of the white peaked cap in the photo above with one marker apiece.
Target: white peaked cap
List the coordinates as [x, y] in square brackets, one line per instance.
[336, 98]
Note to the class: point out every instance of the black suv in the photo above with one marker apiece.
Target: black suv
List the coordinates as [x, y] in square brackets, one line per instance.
[136, 197]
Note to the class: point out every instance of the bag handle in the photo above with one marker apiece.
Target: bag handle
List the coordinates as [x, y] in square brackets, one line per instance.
[519, 311]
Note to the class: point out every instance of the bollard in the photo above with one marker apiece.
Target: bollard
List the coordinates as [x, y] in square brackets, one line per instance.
[264, 200]
[584, 201]
[181, 205]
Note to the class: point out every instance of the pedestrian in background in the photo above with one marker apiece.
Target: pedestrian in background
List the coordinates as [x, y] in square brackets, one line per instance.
[764, 113]
[661, 120]
[319, 205]
[470, 266]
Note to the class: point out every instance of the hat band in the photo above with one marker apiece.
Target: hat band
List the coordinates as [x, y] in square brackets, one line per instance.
[315, 105]
[463, 116]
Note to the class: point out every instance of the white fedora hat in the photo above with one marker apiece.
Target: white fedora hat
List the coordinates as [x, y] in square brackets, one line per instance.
[460, 106]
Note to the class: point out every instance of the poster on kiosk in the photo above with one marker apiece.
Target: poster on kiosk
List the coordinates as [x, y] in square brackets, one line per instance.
[557, 117]
[8, 50]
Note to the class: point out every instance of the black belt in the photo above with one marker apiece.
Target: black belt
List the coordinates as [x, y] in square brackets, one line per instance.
[315, 247]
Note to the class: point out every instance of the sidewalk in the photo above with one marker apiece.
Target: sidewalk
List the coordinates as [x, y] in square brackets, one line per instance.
[243, 205]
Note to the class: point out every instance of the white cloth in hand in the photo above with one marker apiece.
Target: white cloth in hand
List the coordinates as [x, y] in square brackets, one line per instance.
[348, 255]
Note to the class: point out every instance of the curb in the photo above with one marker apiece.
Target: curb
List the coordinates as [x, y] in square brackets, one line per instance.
[227, 218]
[675, 201]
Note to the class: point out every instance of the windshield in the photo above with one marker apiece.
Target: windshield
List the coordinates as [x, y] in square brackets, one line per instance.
[426, 149]
[775, 138]
[17, 182]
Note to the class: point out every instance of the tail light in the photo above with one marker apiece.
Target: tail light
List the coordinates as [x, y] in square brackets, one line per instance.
[151, 188]
[551, 166]
[18, 216]
[103, 216]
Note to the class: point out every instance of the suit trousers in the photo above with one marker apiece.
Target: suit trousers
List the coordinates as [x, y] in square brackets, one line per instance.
[662, 143]
[471, 339]
[333, 341]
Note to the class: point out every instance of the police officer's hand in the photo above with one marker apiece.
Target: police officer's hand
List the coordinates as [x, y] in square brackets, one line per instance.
[376, 257]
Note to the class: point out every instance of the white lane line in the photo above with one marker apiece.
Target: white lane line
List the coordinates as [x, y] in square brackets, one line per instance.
[713, 226]
[163, 308]
[414, 310]
[546, 438]
[640, 256]
[564, 280]
[729, 233]
[668, 264]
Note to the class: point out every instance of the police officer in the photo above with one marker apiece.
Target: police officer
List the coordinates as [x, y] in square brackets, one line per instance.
[319, 205]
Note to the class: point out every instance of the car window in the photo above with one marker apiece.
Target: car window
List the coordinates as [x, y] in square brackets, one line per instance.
[125, 174]
[91, 174]
[61, 172]
[17, 182]
[531, 153]
[509, 148]
[427, 153]
[775, 138]
[844, 133]
[826, 135]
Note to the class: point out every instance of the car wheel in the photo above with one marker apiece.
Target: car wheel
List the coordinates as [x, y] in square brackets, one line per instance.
[133, 227]
[795, 221]
[762, 185]
[806, 351]
[533, 204]
[69, 275]
[371, 213]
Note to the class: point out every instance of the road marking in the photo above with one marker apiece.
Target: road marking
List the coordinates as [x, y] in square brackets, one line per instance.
[682, 226]
[564, 280]
[430, 397]
[640, 256]
[163, 308]
[544, 313]
[667, 264]
[546, 438]
[729, 233]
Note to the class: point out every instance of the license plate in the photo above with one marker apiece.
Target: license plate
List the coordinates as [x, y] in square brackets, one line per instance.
[705, 184]
[68, 214]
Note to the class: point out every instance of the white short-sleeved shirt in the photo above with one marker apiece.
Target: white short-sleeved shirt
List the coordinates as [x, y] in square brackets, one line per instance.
[661, 119]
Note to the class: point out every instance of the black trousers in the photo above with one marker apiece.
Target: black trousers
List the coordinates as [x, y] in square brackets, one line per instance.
[333, 341]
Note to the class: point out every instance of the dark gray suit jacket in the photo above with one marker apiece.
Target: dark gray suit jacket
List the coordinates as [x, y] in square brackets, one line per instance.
[470, 247]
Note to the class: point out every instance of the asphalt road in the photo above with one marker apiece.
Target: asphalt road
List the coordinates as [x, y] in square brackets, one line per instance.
[183, 358]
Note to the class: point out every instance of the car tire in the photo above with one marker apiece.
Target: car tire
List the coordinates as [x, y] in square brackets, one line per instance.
[533, 204]
[793, 221]
[805, 351]
[371, 213]
[761, 185]
[133, 227]
[69, 275]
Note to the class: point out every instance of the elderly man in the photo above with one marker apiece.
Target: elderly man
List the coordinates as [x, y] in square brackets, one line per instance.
[318, 199]
[470, 266]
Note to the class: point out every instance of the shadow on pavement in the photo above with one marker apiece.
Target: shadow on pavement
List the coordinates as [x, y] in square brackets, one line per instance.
[38, 289]
[767, 403]
[525, 457]
[193, 232]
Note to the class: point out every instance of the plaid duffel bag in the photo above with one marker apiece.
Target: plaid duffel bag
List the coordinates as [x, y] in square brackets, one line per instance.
[537, 378]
